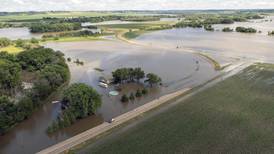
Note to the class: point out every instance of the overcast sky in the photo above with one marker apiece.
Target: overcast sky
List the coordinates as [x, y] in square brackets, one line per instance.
[85, 5]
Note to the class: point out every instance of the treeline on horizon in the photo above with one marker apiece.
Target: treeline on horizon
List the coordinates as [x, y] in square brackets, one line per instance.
[205, 20]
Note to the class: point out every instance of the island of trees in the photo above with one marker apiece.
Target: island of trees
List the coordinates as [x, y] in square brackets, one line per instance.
[204, 20]
[54, 27]
[126, 75]
[246, 30]
[79, 101]
[45, 73]
[227, 29]
[208, 28]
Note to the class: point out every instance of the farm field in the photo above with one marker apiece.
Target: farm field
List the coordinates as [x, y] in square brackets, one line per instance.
[233, 116]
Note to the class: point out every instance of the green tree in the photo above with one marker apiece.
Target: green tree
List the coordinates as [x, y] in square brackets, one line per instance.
[10, 75]
[4, 42]
[227, 29]
[124, 98]
[82, 100]
[20, 43]
[7, 114]
[34, 41]
[139, 73]
[144, 91]
[153, 79]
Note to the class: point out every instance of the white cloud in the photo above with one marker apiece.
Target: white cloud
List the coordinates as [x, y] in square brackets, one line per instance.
[85, 5]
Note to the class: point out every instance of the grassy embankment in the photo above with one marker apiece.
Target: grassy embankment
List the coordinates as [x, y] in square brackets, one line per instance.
[12, 49]
[72, 39]
[216, 65]
[234, 116]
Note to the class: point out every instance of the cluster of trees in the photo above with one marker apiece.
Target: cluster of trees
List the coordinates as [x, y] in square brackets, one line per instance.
[5, 25]
[5, 42]
[83, 33]
[140, 18]
[198, 21]
[10, 74]
[208, 28]
[80, 19]
[192, 24]
[207, 22]
[153, 79]
[100, 19]
[79, 101]
[128, 75]
[139, 93]
[254, 16]
[54, 27]
[12, 113]
[122, 75]
[50, 72]
[218, 21]
[246, 30]
[227, 29]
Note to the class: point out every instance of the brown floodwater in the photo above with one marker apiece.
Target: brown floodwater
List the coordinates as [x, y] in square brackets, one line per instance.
[176, 68]
[18, 33]
[252, 47]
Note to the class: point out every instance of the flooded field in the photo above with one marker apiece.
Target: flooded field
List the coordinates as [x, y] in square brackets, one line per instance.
[220, 44]
[177, 70]
[160, 52]
[264, 25]
[17, 33]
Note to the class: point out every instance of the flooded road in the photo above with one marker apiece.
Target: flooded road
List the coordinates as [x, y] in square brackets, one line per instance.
[177, 70]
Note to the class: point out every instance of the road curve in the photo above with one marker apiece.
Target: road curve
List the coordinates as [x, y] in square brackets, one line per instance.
[91, 133]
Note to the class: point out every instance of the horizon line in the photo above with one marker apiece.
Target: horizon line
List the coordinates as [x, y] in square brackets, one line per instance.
[211, 9]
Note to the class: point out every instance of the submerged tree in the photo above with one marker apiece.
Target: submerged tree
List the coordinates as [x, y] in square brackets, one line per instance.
[124, 98]
[138, 93]
[132, 97]
[79, 101]
[153, 79]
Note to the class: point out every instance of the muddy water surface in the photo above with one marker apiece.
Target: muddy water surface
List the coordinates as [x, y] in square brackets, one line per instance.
[177, 70]
[18, 33]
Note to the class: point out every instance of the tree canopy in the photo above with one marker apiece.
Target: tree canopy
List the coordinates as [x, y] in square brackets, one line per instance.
[153, 79]
[4, 42]
[54, 27]
[51, 72]
[246, 30]
[79, 101]
[128, 74]
[10, 74]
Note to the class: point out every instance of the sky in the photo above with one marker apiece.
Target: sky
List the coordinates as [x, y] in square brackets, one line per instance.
[89, 5]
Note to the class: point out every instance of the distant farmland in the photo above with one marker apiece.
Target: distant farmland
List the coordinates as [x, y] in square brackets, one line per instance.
[234, 116]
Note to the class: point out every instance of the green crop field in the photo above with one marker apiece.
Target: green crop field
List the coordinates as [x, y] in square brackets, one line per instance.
[234, 116]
